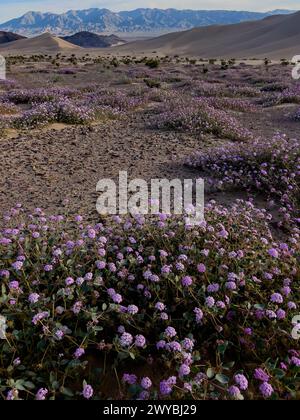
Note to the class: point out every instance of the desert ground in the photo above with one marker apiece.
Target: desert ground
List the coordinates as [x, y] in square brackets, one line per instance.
[47, 164]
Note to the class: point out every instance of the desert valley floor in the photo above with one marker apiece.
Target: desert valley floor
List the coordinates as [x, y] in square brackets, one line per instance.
[46, 164]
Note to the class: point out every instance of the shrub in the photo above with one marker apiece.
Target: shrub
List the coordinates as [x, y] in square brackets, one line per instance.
[271, 167]
[197, 117]
[8, 108]
[152, 63]
[69, 113]
[39, 115]
[151, 83]
[63, 111]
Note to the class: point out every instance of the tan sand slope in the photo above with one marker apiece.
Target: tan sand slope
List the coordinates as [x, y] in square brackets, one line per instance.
[275, 37]
[45, 43]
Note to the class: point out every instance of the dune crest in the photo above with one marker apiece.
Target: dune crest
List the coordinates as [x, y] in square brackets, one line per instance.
[40, 44]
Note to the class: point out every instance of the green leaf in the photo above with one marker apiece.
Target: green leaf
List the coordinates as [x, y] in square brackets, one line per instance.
[20, 385]
[279, 373]
[67, 392]
[259, 307]
[29, 385]
[223, 379]
[223, 347]
[228, 365]
[55, 385]
[210, 373]
[97, 329]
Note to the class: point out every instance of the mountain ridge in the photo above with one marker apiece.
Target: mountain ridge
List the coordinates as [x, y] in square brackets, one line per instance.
[276, 37]
[139, 20]
[6, 37]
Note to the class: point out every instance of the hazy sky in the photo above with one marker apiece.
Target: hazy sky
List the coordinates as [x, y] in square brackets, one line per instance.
[15, 8]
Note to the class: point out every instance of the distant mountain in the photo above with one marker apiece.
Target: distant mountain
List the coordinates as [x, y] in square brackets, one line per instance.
[276, 37]
[90, 40]
[139, 20]
[6, 37]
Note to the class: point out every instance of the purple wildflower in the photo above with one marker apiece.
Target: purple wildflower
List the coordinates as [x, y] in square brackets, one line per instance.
[140, 341]
[146, 383]
[261, 375]
[241, 381]
[41, 394]
[266, 389]
[126, 339]
[87, 392]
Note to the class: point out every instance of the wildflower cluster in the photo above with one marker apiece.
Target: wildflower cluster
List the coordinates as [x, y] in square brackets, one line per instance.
[271, 167]
[210, 308]
[198, 117]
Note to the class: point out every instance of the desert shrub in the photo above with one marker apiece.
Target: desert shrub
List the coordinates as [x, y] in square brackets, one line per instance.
[123, 80]
[197, 117]
[8, 84]
[224, 65]
[152, 63]
[296, 115]
[215, 88]
[8, 108]
[39, 115]
[114, 62]
[4, 124]
[284, 62]
[67, 71]
[127, 61]
[274, 87]
[246, 91]
[70, 113]
[271, 166]
[152, 83]
[289, 95]
[31, 96]
[234, 104]
[160, 95]
[62, 111]
[117, 99]
[210, 308]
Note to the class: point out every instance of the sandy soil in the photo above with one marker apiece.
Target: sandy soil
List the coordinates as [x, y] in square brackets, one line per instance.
[42, 169]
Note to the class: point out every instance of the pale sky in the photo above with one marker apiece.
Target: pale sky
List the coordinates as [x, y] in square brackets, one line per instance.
[15, 8]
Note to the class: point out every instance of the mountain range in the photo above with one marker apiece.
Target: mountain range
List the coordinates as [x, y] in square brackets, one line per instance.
[139, 20]
[275, 37]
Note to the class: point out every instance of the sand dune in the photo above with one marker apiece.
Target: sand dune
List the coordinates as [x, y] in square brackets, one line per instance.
[276, 37]
[45, 43]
